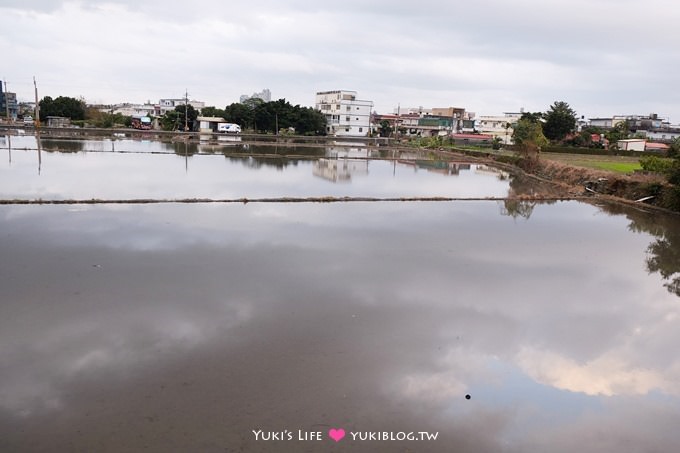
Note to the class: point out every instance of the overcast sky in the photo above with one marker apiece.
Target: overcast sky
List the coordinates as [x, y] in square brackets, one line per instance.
[603, 57]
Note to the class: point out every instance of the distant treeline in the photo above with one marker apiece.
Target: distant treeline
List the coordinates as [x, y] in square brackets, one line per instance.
[268, 117]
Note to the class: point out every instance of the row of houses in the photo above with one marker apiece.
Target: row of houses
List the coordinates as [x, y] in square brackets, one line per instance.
[348, 115]
[151, 109]
[651, 127]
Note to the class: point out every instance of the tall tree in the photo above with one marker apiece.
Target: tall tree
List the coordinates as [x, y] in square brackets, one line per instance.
[241, 114]
[212, 111]
[267, 116]
[176, 119]
[62, 106]
[529, 138]
[619, 132]
[560, 120]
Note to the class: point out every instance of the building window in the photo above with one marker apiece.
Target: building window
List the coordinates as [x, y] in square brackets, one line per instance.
[347, 118]
[361, 129]
[349, 108]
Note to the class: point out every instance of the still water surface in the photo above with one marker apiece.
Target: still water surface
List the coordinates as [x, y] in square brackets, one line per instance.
[184, 327]
[127, 169]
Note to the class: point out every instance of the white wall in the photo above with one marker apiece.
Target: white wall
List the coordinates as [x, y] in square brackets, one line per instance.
[345, 115]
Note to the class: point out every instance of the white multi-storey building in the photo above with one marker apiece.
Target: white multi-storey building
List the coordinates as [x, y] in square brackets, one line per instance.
[498, 126]
[166, 105]
[131, 109]
[345, 114]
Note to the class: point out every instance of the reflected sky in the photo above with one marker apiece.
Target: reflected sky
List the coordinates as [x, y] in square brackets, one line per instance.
[184, 327]
[129, 169]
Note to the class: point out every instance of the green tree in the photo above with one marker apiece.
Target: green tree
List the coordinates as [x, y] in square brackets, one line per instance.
[528, 137]
[619, 132]
[62, 106]
[534, 117]
[212, 111]
[106, 120]
[178, 118]
[560, 120]
[172, 121]
[241, 114]
[309, 121]
[674, 148]
[266, 117]
[385, 128]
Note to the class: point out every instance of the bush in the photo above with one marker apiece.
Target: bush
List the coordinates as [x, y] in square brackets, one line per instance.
[673, 172]
[656, 164]
[432, 142]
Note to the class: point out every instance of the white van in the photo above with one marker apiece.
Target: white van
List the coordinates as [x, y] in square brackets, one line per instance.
[229, 128]
[28, 120]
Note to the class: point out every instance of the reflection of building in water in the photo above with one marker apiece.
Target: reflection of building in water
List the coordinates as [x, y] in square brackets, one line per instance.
[455, 168]
[339, 170]
[58, 121]
[486, 170]
[352, 153]
[437, 166]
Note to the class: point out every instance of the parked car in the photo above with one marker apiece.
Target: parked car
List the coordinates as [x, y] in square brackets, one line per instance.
[28, 120]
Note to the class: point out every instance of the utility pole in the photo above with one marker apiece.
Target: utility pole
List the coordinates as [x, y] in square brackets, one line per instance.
[396, 121]
[6, 103]
[37, 106]
[186, 110]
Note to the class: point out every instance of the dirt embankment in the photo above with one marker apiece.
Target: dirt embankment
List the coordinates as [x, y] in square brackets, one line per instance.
[649, 189]
[572, 181]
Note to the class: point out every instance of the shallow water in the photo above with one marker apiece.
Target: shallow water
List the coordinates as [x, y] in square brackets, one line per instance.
[177, 327]
[152, 170]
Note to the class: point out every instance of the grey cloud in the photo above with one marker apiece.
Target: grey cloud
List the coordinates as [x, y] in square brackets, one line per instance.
[607, 60]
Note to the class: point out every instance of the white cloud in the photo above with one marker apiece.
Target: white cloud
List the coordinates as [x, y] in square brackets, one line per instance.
[609, 375]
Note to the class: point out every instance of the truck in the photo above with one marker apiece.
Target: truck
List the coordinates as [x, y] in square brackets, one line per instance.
[141, 122]
[229, 128]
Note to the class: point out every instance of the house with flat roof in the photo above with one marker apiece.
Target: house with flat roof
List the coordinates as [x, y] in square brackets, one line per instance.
[345, 114]
[501, 126]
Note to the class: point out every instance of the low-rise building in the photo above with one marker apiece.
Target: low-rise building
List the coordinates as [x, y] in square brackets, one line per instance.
[501, 126]
[428, 122]
[665, 135]
[209, 124]
[632, 144]
[8, 104]
[127, 109]
[656, 147]
[603, 123]
[166, 105]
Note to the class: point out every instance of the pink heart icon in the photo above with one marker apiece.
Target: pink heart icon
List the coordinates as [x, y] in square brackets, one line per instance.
[336, 434]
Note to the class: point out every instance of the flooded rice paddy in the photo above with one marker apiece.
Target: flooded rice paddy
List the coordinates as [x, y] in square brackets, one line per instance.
[498, 326]
[129, 169]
